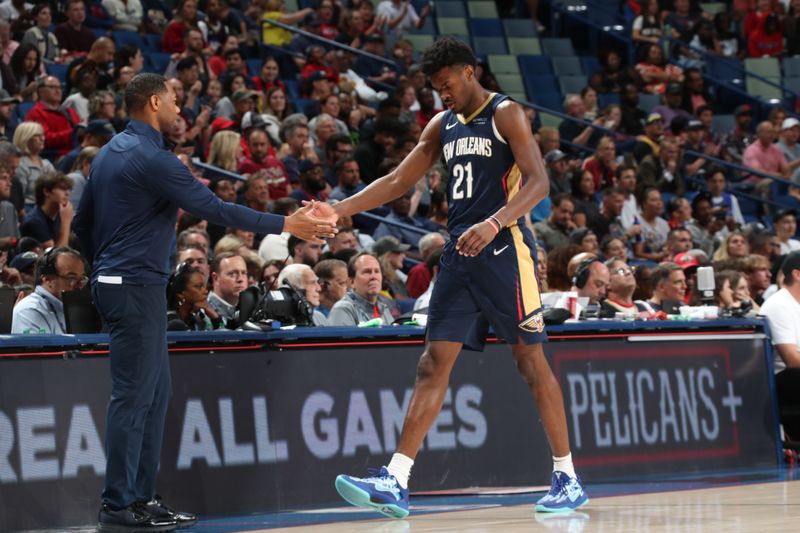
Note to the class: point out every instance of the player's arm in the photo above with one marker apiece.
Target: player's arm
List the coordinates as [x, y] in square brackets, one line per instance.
[424, 155]
[513, 126]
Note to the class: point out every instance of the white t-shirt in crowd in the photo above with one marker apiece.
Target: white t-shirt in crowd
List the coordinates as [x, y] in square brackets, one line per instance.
[783, 313]
[792, 245]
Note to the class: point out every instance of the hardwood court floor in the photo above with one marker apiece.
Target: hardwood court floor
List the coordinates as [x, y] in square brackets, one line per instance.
[757, 508]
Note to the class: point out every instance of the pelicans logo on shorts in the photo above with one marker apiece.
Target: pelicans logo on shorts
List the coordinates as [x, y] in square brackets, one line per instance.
[534, 324]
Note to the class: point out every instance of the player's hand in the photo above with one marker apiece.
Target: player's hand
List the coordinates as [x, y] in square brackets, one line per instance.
[476, 238]
[323, 211]
[304, 225]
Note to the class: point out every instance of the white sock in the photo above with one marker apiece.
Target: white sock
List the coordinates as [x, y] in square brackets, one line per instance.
[564, 464]
[400, 468]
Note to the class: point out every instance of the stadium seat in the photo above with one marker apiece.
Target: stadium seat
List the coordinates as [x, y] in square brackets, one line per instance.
[524, 45]
[767, 67]
[428, 28]
[712, 8]
[725, 69]
[59, 70]
[485, 28]
[292, 89]
[567, 66]
[519, 28]
[793, 84]
[21, 110]
[518, 97]
[503, 64]
[254, 66]
[763, 89]
[122, 38]
[545, 83]
[590, 64]
[791, 67]
[606, 99]
[489, 45]
[510, 83]
[151, 42]
[452, 26]
[482, 9]
[157, 61]
[450, 9]
[552, 101]
[558, 47]
[572, 84]
[648, 101]
[723, 123]
[531, 65]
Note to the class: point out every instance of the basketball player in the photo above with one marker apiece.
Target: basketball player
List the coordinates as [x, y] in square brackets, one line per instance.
[487, 268]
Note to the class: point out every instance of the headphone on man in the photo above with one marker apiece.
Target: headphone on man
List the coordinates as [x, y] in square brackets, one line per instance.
[582, 272]
[46, 264]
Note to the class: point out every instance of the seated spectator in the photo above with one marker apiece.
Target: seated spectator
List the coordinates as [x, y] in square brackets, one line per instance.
[71, 34]
[789, 135]
[655, 74]
[669, 286]
[766, 40]
[558, 172]
[349, 179]
[362, 303]
[276, 10]
[303, 252]
[419, 277]
[185, 18]
[7, 44]
[370, 69]
[649, 244]
[663, 171]
[574, 130]
[60, 269]
[626, 183]
[758, 271]
[731, 290]
[632, 116]
[391, 255]
[49, 222]
[312, 182]
[401, 208]
[188, 308]
[705, 225]
[672, 104]
[196, 257]
[647, 27]
[297, 147]
[679, 212]
[679, 240]
[432, 263]
[783, 312]
[80, 175]
[85, 85]
[9, 222]
[785, 223]
[695, 95]
[587, 212]
[735, 246]
[372, 151]
[648, 142]
[554, 232]
[591, 280]
[622, 285]
[127, 14]
[586, 239]
[721, 200]
[40, 35]
[58, 123]
[261, 162]
[765, 155]
[603, 164]
[333, 282]
[742, 136]
[26, 67]
[228, 279]
[304, 280]
[613, 74]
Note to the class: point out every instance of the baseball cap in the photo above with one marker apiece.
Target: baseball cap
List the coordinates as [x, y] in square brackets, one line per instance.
[24, 260]
[243, 94]
[100, 126]
[221, 123]
[308, 164]
[6, 98]
[674, 88]
[686, 260]
[652, 117]
[790, 122]
[783, 213]
[251, 119]
[554, 155]
[743, 109]
[316, 76]
[389, 244]
[695, 125]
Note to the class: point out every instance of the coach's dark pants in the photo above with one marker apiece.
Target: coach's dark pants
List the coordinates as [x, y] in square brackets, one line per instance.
[136, 317]
[787, 383]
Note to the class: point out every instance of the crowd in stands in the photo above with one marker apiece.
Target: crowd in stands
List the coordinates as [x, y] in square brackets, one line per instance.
[634, 209]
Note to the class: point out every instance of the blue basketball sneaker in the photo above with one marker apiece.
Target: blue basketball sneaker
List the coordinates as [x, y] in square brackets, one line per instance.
[381, 492]
[566, 494]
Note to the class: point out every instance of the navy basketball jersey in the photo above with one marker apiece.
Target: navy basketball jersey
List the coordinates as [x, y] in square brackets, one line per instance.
[483, 175]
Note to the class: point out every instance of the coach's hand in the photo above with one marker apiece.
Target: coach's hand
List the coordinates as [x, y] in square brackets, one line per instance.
[476, 238]
[304, 225]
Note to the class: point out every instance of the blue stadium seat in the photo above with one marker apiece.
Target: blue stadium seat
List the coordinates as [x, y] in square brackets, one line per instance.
[606, 99]
[551, 101]
[20, 112]
[572, 84]
[485, 27]
[568, 66]
[648, 101]
[535, 65]
[59, 70]
[557, 47]
[254, 66]
[122, 38]
[152, 42]
[725, 69]
[723, 123]
[292, 88]
[590, 64]
[545, 83]
[157, 62]
[520, 28]
[450, 9]
[489, 45]
[791, 67]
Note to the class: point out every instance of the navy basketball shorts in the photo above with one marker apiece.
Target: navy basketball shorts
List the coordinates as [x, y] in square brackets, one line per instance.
[497, 288]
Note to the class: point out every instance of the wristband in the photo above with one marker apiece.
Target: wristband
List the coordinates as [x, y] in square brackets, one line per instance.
[493, 223]
[496, 221]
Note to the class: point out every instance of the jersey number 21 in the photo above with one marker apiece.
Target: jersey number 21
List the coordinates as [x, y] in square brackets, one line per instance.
[459, 172]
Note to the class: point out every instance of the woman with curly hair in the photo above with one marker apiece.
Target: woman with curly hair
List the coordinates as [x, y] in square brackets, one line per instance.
[187, 302]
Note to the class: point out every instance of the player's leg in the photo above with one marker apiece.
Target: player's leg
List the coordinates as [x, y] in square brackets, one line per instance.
[386, 490]
[566, 492]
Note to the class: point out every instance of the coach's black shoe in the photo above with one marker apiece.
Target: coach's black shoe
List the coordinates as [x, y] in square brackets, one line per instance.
[158, 509]
[132, 519]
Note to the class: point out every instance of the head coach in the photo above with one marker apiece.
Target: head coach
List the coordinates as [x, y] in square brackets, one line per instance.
[126, 224]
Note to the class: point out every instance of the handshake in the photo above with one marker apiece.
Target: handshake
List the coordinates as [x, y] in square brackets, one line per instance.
[313, 222]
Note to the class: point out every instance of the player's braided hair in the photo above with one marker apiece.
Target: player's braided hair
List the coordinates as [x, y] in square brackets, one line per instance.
[446, 52]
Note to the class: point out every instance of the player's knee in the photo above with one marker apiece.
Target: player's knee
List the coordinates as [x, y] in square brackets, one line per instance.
[429, 366]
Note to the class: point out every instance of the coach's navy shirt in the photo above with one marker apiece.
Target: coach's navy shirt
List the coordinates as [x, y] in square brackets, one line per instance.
[126, 217]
